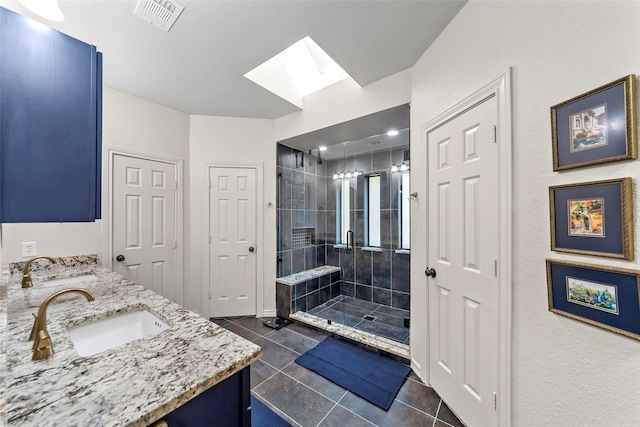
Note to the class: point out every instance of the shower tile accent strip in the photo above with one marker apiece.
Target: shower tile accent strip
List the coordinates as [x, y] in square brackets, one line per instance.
[306, 290]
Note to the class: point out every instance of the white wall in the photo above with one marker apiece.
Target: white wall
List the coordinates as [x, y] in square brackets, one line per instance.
[52, 239]
[344, 101]
[142, 126]
[136, 126]
[565, 373]
[234, 140]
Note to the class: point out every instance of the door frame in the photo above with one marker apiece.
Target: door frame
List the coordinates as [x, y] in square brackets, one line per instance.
[107, 200]
[501, 89]
[260, 249]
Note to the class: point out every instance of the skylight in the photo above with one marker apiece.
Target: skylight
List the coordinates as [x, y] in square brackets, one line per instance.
[299, 70]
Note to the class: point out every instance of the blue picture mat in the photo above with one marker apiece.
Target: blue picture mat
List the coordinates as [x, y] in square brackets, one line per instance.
[628, 317]
[613, 241]
[614, 97]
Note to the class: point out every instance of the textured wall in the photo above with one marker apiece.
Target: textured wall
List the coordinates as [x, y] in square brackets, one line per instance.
[231, 140]
[564, 372]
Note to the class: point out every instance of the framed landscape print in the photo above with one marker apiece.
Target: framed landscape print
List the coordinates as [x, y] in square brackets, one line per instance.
[593, 218]
[606, 297]
[596, 127]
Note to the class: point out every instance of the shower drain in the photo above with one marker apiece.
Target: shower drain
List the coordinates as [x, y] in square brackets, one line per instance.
[369, 317]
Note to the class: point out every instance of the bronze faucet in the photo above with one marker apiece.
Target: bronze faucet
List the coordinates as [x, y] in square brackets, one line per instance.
[42, 345]
[26, 275]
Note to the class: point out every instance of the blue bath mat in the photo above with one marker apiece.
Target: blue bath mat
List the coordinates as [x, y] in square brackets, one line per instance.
[261, 416]
[369, 375]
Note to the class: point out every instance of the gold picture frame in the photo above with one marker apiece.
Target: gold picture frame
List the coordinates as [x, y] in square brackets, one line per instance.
[599, 126]
[602, 296]
[593, 218]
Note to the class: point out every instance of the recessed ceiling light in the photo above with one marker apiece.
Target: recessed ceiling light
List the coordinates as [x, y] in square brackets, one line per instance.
[322, 148]
[392, 132]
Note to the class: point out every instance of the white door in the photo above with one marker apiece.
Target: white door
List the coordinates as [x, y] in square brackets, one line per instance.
[463, 236]
[144, 223]
[232, 241]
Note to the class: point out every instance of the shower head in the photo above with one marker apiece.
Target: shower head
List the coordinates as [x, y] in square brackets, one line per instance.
[319, 158]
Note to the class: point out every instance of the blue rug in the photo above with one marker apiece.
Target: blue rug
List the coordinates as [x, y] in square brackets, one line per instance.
[261, 416]
[369, 375]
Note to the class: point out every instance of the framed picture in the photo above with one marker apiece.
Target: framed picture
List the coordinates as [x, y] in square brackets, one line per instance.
[593, 218]
[606, 297]
[596, 127]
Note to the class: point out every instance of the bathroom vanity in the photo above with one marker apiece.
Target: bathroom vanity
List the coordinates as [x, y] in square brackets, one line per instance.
[193, 371]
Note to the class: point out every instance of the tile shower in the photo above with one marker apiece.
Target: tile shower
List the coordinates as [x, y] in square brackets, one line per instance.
[371, 280]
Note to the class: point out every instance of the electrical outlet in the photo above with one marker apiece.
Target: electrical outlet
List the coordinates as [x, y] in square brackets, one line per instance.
[29, 249]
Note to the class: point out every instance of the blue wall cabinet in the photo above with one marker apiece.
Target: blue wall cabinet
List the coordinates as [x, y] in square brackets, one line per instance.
[50, 124]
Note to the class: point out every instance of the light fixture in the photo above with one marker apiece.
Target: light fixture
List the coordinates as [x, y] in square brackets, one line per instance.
[392, 132]
[322, 148]
[47, 9]
[348, 174]
[402, 168]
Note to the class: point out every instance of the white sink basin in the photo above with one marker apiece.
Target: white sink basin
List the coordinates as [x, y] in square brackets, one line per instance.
[69, 280]
[112, 332]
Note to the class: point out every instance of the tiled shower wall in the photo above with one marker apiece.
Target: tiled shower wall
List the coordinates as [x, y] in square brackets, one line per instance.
[307, 201]
[301, 210]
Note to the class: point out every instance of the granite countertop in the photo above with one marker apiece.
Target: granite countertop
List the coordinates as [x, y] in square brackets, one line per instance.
[131, 385]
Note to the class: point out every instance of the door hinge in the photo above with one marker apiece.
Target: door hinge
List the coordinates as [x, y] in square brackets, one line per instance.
[495, 401]
[209, 239]
[495, 267]
[175, 244]
[175, 185]
[495, 133]
[209, 183]
[210, 298]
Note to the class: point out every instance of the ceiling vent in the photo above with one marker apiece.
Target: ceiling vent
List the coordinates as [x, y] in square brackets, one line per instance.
[161, 13]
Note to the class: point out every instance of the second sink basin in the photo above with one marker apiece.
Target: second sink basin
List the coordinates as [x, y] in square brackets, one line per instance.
[112, 332]
[69, 280]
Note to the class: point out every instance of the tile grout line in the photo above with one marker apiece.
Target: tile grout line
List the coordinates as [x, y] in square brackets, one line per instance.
[436, 419]
[349, 410]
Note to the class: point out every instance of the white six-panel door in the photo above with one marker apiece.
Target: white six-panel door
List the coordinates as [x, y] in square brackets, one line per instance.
[232, 241]
[144, 223]
[463, 236]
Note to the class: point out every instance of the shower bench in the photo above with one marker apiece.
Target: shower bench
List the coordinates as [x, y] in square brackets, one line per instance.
[306, 290]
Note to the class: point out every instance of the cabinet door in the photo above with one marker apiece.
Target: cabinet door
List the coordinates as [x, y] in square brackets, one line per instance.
[49, 151]
[225, 404]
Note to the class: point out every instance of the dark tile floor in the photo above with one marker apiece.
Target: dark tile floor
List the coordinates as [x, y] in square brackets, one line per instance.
[366, 316]
[306, 399]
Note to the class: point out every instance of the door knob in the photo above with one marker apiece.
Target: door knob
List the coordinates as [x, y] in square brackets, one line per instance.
[251, 249]
[430, 272]
[120, 258]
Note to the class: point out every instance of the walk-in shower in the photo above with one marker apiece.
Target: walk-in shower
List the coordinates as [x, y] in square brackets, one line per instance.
[343, 226]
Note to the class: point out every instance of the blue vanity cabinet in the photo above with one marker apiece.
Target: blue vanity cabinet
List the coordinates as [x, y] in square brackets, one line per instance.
[225, 404]
[50, 123]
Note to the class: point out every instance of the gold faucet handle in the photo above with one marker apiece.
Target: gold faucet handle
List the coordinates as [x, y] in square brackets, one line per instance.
[42, 346]
[34, 328]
